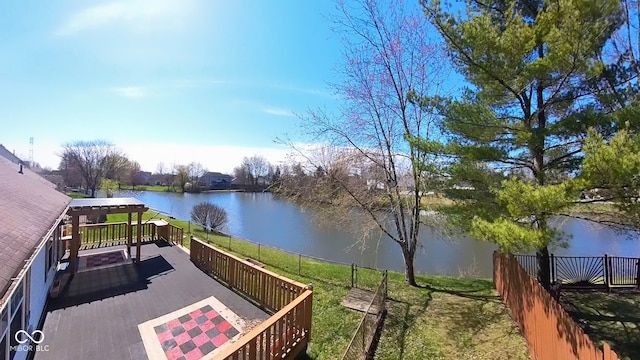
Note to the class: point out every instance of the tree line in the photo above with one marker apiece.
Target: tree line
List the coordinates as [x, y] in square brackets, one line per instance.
[548, 111]
[99, 164]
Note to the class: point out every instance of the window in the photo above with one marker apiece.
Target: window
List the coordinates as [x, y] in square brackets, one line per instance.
[49, 258]
[4, 320]
[16, 325]
[16, 298]
[3, 347]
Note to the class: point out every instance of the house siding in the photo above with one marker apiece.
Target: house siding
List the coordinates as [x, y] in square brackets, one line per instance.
[39, 277]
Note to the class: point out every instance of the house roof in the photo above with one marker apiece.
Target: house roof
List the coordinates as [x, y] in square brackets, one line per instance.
[29, 207]
[5, 153]
[214, 173]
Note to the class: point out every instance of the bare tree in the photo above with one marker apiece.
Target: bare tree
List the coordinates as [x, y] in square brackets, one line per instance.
[388, 58]
[241, 175]
[117, 167]
[133, 174]
[209, 215]
[181, 177]
[160, 169]
[93, 160]
[196, 171]
[257, 167]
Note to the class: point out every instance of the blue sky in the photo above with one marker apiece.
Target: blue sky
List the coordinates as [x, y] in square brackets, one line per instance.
[170, 81]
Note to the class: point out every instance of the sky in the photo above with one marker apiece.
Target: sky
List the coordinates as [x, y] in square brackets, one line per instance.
[165, 81]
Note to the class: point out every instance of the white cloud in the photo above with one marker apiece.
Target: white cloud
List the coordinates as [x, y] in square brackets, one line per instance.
[132, 92]
[277, 111]
[138, 14]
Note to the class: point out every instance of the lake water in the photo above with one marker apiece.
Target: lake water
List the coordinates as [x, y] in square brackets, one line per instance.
[263, 218]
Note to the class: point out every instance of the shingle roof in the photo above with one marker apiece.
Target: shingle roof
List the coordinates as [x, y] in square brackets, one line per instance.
[29, 206]
[5, 153]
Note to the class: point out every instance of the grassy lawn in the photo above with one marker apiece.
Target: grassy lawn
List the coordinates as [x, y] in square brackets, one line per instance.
[610, 317]
[77, 195]
[450, 318]
[157, 188]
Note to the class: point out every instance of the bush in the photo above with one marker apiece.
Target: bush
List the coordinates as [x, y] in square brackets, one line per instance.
[209, 215]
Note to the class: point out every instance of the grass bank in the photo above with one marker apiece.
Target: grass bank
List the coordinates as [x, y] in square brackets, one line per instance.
[156, 188]
[614, 318]
[77, 195]
[449, 318]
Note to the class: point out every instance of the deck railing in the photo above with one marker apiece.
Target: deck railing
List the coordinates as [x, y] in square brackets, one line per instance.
[172, 234]
[98, 234]
[286, 333]
[587, 271]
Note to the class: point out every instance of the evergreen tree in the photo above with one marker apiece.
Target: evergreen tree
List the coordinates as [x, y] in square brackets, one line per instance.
[538, 81]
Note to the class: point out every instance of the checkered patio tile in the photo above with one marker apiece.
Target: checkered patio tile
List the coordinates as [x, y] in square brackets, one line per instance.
[191, 333]
[101, 260]
[107, 258]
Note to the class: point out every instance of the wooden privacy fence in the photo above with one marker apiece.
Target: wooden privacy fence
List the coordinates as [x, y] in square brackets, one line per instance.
[550, 331]
[588, 271]
[286, 333]
[364, 340]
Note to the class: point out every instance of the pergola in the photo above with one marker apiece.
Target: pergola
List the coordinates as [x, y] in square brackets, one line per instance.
[100, 206]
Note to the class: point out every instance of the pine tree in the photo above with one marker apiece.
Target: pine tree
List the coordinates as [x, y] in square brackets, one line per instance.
[538, 81]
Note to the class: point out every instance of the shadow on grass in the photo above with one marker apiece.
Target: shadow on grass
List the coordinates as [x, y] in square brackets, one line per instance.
[441, 309]
[613, 318]
[403, 315]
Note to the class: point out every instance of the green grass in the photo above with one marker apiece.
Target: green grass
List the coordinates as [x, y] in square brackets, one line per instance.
[157, 188]
[77, 195]
[610, 317]
[450, 318]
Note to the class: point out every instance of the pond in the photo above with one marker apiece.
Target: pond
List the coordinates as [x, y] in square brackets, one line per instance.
[269, 220]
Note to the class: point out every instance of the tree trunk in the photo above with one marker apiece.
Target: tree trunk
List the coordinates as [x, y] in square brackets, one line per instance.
[544, 267]
[409, 272]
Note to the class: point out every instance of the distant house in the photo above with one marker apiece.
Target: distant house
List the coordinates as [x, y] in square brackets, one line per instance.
[143, 177]
[216, 181]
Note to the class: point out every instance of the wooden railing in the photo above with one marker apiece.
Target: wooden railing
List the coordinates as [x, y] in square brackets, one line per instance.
[550, 331]
[172, 234]
[97, 234]
[286, 333]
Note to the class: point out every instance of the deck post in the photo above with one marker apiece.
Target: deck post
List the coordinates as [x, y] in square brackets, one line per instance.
[75, 243]
[129, 236]
[139, 236]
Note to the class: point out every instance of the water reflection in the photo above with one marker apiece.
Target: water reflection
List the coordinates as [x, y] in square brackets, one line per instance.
[260, 217]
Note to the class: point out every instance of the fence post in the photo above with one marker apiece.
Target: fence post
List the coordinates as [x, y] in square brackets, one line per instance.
[229, 242]
[299, 264]
[352, 271]
[638, 274]
[258, 251]
[552, 264]
[386, 287]
[607, 271]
